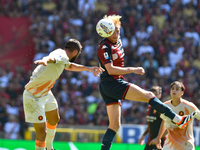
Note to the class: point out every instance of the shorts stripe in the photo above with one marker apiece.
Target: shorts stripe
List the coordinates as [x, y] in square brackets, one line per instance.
[114, 103]
[123, 97]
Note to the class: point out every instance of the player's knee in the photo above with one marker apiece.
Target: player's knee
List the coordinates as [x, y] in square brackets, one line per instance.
[149, 95]
[115, 126]
[118, 126]
[54, 121]
[58, 119]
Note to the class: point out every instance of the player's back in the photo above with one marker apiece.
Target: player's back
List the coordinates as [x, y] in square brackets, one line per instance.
[43, 77]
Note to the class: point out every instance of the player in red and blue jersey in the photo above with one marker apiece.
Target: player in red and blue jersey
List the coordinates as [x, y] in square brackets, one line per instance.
[154, 122]
[113, 87]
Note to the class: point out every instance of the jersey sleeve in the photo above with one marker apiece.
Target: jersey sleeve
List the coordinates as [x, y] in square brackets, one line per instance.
[104, 54]
[60, 56]
[194, 108]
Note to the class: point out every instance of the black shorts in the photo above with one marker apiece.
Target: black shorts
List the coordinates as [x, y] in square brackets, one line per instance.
[151, 147]
[113, 91]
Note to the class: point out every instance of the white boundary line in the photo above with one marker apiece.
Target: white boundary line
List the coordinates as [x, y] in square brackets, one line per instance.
[72, 146]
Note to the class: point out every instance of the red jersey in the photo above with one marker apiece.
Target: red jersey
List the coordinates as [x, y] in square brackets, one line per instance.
[109, 52]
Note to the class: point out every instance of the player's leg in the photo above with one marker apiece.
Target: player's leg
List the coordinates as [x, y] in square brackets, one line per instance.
[136, 93]
[40, 130]
[35, 113]
[114, 115]
[52, 120]
[52, 115]
[112, 92]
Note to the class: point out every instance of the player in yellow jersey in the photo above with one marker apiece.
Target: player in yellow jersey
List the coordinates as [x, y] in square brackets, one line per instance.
[177, 139]
[40, 106]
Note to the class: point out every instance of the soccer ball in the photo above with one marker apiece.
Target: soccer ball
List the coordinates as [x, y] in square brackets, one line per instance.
[105, 27]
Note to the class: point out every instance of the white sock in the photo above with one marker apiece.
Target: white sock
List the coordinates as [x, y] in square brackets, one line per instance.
[39, 148]
[50, 136]
[177, 119]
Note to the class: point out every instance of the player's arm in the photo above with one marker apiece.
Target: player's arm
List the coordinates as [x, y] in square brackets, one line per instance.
[164, 134]
[115, 70]
[45, 60]
[194, 108]
[77, 67]
[157, 140]
[141, 140]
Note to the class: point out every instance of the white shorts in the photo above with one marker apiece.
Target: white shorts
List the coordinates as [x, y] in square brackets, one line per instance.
[35, 108]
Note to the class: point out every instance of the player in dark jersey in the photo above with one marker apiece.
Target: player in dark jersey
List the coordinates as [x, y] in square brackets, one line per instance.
[154, 122]
[113, 87]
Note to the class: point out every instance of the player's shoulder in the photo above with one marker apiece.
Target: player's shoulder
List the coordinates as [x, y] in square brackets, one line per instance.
[104, 47]
[104, 44]
[190, 104]
[168, 101]
[59, 49]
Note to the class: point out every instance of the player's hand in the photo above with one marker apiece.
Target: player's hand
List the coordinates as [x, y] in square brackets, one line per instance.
[141, 140]
[96, 70]
[139, 70]
[42, 62]
[156, 142]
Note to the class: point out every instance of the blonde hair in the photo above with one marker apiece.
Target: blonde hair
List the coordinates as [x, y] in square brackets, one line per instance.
[114, 18]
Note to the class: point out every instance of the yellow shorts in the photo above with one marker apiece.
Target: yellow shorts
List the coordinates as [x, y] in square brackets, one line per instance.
[35, 108]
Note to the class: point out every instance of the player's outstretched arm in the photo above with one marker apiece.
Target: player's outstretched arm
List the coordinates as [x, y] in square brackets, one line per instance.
[45, 60]
[77, 67]
[96, 70]
[115, 70]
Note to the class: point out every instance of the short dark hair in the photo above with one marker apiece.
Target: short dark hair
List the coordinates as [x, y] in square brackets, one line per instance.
[156, 89]
[73, 44]
[178, 83]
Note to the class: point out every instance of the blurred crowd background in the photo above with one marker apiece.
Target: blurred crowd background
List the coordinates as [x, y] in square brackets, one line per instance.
[160, 35]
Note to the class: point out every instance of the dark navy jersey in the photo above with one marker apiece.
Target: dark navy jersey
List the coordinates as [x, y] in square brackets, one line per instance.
[109, 52]
[154, 122]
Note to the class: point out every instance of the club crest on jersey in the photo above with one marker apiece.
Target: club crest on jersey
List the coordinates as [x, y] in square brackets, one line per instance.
[40, 118]
[181, 113]
[154, 111]
[106, 55]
